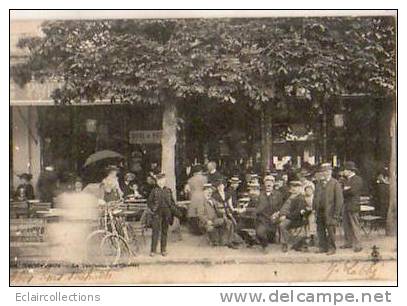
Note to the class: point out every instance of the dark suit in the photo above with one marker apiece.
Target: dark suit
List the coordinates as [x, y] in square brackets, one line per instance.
[160, 202]
[223, 208]
[218, 198]
[233, 194]
[294, 218]
[267, 205]
[328, 202]
[351, 227]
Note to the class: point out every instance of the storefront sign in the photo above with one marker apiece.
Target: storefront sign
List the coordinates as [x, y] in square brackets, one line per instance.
[145, 136]
[338, 120]
[91, 125]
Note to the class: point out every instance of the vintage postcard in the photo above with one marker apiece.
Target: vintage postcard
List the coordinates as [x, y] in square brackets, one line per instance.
[199, 148]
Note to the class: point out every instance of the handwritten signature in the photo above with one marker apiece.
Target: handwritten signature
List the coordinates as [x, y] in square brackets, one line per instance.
[27, 276]
[355, 268]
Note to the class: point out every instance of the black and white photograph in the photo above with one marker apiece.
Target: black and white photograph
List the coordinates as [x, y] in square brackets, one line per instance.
[202, 149]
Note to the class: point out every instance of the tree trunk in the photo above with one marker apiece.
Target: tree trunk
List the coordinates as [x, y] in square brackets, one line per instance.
[324, 135]
[266, 135]
[168, 140]
[391, 222]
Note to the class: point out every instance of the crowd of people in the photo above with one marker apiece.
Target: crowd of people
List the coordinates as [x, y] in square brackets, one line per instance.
[315, 202]
[300, 209]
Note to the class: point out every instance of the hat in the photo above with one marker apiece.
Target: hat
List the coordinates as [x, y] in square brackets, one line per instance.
[112, 168]
[350, 165]
[26, 176]
[312, 186]
[197, 168]
[305, 172]
[130, 176]
[234, 179]
[253, 185]
[78, 179]
[295, 184]
[269, 178]
[160, 175]
[208, 186]
[325, 167]
[218, 181]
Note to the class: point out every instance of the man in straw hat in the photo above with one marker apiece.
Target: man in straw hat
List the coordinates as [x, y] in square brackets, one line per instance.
[292, 214]
[269, 203]
[234, 183]
[352, 191]
[328, 203]
[308, 191]
[224, 203]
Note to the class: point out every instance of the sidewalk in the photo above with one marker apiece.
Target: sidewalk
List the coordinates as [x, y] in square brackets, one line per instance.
[195, 250]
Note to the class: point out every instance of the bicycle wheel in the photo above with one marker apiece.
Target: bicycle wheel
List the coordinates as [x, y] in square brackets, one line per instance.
[130, 235]
[103, 247]
[111, 243]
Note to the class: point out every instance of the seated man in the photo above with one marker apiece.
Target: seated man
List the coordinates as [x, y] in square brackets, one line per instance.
[269, 203]
[292, 214]
[212, 219]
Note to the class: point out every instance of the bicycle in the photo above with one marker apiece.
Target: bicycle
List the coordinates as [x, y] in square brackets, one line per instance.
[112, 239]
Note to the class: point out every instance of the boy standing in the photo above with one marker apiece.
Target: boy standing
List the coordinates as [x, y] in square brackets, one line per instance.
[160, 202]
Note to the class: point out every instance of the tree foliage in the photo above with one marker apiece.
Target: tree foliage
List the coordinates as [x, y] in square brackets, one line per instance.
[137, 61]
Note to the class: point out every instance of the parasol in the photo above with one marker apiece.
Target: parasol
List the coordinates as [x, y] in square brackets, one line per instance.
[100, 155]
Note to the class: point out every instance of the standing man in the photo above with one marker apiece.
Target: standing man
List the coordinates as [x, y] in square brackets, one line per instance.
[328, 203]
[160, 202]
[352, 191]
[269, 203]
[213, 174]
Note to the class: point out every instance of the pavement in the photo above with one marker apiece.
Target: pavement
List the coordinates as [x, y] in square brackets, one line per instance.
[192, 261]
[195, 250]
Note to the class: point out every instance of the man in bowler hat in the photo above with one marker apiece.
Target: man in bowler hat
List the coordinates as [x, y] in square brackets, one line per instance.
[160, 202]
[352, 190]
[328, 202]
